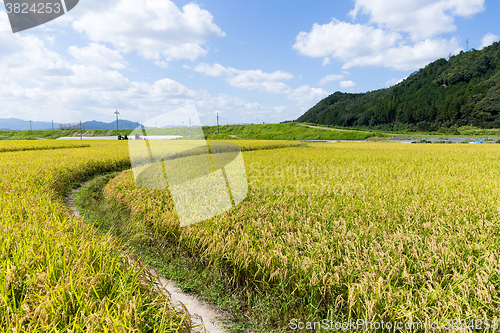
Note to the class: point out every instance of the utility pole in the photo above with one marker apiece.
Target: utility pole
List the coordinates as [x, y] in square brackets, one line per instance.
[52, 124]
[189, 128]
[217, 123]
[30, 125]
[81, 136]
[117, 113]
[467, 45]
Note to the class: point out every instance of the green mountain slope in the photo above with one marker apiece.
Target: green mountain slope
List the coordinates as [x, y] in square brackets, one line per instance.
[464, 90]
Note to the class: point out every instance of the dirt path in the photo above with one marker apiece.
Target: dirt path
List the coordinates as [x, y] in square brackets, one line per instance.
[203, 315]
[326, 128]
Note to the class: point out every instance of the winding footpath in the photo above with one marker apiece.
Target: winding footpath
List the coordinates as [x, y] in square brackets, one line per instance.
[204, 316]
[326, 128]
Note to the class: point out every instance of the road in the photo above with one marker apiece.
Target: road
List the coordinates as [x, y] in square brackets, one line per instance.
[326, 128]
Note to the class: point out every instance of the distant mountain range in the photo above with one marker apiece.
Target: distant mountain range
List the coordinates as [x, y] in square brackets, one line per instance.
[14, 124]
[123, 124]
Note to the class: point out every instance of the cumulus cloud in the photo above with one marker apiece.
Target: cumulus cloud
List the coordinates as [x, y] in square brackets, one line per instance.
[347, 84]
[157, 30]
[420, 18]
[248, 79]
[307, 96]
[99, 56]
[261, 81]
[343, 40]
[68, 91]
[488, 39]
[408, 57]
[330, 78]
[402, 35]
[28, 57]
[213, 70]
[304, 96]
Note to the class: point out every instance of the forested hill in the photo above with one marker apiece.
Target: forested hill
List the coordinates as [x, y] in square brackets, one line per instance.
[464, 90]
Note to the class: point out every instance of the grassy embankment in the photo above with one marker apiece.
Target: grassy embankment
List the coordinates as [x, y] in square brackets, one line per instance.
[342, 231]
[287, 131]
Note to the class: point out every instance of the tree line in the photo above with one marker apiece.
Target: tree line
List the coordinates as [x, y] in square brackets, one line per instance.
[463, 90]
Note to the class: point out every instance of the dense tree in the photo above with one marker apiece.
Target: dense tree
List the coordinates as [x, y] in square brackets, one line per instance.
[464, 90]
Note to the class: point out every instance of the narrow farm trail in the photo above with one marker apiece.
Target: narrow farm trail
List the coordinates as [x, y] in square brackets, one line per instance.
[203, 315]
[326, 128]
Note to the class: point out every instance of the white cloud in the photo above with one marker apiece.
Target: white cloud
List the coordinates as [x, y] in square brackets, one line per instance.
[361, 45]
[307, 96]
[86, 83]
[161, 63]
[50, 39]
[488, 39]
[330, 78]
[343, 40]
[94, 79]
[28, 58]
[402, 35]
[393, 82]
[68, 92]
[214, 70]
[304, 96]
[326, 61]
[157, 30]
[248, 79]
[347, 84]
[408, 57]
[98, 55]
[170, 88]
[261, 81]
[420, 18]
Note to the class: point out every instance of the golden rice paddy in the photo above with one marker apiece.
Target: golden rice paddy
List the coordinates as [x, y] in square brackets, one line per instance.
[377, 231]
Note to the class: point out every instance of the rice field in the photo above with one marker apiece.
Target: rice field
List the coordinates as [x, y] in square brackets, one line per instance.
[56, 273]
[373, 231]
[11, 146]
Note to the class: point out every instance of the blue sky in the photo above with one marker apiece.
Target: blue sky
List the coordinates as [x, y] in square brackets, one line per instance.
[247, 60]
